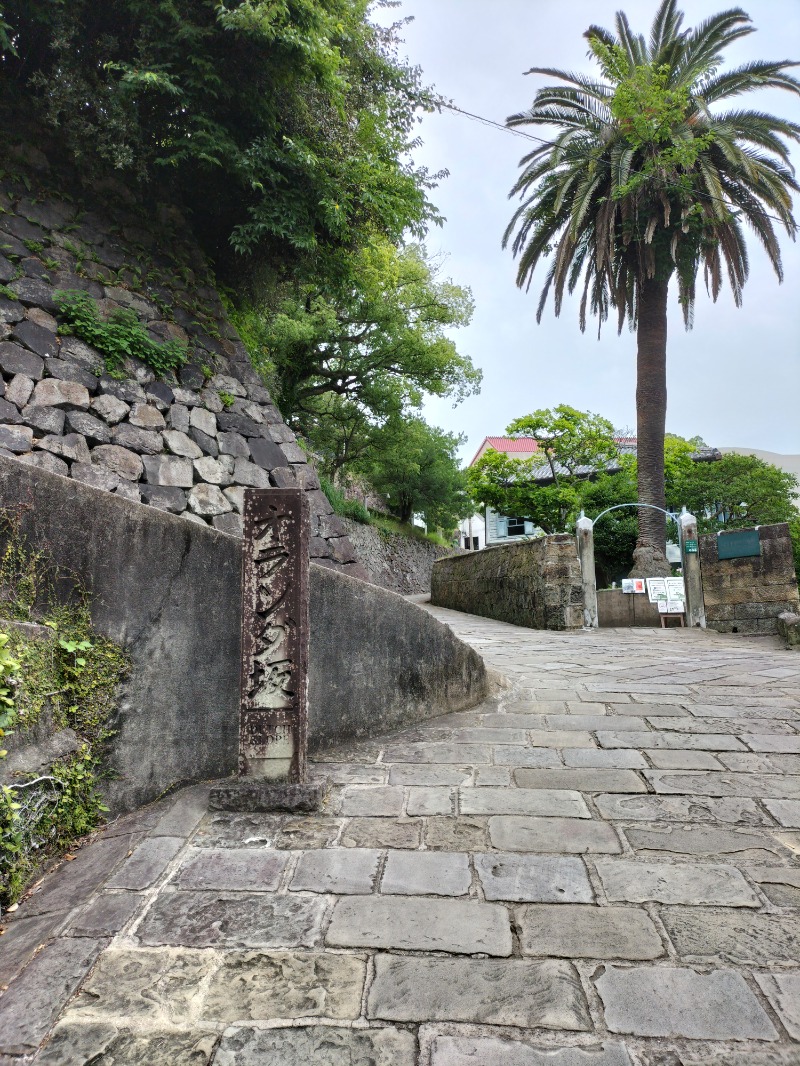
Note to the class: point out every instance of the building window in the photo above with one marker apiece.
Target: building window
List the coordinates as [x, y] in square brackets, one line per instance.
[516, 527]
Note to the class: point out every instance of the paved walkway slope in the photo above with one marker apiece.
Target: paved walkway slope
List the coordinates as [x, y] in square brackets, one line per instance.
[599, 867]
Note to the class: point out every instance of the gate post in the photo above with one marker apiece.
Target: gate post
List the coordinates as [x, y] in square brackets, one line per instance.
[584, 532]
[692, 578]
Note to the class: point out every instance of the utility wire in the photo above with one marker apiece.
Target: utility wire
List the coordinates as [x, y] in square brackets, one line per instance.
[554, 144]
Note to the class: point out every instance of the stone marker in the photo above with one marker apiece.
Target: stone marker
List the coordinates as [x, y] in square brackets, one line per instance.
[274, 715]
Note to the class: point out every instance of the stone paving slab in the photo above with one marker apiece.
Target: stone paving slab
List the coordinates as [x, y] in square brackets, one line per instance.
[33, 1001]
[430, 775]
[237, 869]
[608, 759]
[732, 811]
[514, 992]
[588, 932]
[322, 1046]
[343, 871]
[581, 779]
[235, 919]
[457, 926]
[639, 882]
[744, 845]
[741, 937]
[533, 878]
[783, 992]
[103, 1042]
[670, 1001]
[494, 1051]
[426, 873]
[641, 740]
[568, 835]
[373, 800]
[757, 786]
[544, 802]
[787, 812]
[105, 915]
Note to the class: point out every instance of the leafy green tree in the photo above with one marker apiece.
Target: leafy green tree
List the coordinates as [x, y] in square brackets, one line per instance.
[650, 176]
[547, 489]
[416, 467]
[380, 343]
[734, 492]
[283, 125]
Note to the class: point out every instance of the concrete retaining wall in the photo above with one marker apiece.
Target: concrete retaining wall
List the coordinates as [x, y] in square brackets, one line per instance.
[624, 609]
[534, 583]
[747, 595]
[169, 591]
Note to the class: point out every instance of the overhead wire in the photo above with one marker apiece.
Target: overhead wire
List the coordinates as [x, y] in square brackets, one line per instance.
[555, 144]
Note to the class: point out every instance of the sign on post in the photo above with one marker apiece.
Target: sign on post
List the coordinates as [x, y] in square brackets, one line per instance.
[275, 631]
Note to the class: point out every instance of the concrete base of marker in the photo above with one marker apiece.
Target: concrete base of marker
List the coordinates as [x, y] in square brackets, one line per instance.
[255, 796]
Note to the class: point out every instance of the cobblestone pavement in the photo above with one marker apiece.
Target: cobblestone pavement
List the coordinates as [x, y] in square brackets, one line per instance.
[597, 867]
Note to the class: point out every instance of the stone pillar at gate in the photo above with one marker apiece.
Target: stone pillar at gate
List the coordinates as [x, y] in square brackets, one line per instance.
[584, 532]
[692, 580]
[275, 632]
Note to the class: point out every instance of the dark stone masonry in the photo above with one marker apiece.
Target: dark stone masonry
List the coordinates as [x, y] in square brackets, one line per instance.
[189, 443]
[746, 595]
[534, 583]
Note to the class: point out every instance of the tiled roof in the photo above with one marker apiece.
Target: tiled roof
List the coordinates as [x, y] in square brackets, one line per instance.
[512, 444]
[528, 446]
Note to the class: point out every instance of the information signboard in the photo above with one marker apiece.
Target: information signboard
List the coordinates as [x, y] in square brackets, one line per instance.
[738, 544]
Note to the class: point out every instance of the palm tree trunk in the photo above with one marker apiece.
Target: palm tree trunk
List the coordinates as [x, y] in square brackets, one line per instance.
[651, 409]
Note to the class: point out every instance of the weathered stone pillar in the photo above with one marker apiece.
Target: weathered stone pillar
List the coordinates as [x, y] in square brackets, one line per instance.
[692, 579]
[584, 532]
[275, 632]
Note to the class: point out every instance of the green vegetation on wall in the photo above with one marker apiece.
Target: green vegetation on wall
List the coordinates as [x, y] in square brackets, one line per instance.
[120, 337]
[67, 681]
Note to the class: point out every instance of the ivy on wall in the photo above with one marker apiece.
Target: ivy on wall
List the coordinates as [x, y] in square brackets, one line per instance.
[68, 681]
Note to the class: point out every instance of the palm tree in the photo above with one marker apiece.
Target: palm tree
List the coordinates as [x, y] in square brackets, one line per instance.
[647, 178]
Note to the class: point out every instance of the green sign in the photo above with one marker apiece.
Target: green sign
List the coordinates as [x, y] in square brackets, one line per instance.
[739, 544]
[690, 546]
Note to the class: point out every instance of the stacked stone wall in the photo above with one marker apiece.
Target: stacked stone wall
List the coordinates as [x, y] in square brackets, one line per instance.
[747, 595]
[535, 583]
[400, 563]
[188, 443]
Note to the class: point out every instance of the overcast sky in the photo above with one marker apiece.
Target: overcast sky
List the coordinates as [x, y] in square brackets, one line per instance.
[734, 379]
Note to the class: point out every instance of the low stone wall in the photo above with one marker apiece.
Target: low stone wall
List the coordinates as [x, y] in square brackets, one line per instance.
[170, 592]
[394, 561]
[747, 595]
[616, 608]
[534, 583]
